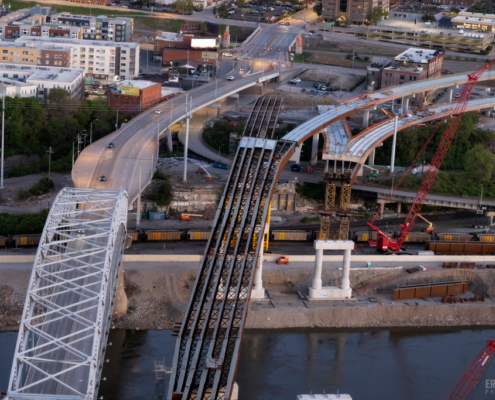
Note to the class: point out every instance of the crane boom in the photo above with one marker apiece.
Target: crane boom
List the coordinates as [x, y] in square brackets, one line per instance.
[473, 374]
[384, 241]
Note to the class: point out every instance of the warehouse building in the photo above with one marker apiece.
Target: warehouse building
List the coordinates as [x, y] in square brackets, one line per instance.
[133, 97]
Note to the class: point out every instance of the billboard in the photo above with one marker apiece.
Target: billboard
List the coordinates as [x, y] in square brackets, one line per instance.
[203, 43]
[129, 90]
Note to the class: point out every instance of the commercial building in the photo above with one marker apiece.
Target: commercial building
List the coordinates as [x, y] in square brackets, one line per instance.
[42, 78]
[35, 54]
[474, 21]
[133, 97]
[413, 65]
[451, 3]
[410, 15]
[178, 50]
[374, 73]
[350, 11]
[102, 61]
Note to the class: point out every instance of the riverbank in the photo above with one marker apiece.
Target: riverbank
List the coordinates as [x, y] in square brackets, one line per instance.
[158, 295]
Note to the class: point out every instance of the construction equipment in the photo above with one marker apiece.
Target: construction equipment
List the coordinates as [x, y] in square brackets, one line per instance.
[430, 227]
[187, 217]
[383, 241]
[388, 114]
[202, 170]
[471, 377]
[283, 260]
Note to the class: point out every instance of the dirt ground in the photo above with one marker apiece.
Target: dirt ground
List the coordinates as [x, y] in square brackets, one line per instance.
[334, 59]
[365, 47]
[334, 81]
[8, 197]
[297, 99]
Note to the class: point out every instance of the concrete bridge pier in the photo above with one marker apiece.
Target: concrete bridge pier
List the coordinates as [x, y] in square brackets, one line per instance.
[319, 292]
[490, 216]
[371, 158]
[120, 303]
[366, 118]
[258, 291]
[314, 148]
[382, 202]
[451, 92]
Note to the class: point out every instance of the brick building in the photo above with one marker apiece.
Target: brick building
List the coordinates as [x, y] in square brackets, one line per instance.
[413, 65]
[350, 11]
[133, 97]
[182, 49]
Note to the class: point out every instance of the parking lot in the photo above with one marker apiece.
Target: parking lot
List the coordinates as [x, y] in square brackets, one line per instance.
[260, 11]
[95, 90]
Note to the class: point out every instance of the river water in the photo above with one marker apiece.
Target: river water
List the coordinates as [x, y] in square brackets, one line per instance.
[280, 364]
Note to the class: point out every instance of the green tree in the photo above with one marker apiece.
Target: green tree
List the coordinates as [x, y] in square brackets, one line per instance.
[318, 9]
[223, 11]
[58, 95]
[163, 194]
[215, 10]
[241, 3]
[479, 163]
[377, 14]
[182, 5]
[455, 10]
[429, 18]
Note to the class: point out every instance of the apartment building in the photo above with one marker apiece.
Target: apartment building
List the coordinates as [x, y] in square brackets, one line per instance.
[107, 61]
[43, 79]
[98, 28]
[347, 12]
[413, 65]
[35, 54]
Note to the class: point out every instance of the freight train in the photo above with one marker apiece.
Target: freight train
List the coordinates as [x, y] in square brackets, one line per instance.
[275, 235]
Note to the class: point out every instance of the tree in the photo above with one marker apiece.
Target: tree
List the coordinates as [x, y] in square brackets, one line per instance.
[182, 5]
[163, 194]
[223, 11]
[215, 10]
[429, 18]
[240, 3]
[377, 14]
[479, 163]
[318, 9]
[58, 95]
[455, 10]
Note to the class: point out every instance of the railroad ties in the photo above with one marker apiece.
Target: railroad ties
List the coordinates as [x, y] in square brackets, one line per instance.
[208, 345]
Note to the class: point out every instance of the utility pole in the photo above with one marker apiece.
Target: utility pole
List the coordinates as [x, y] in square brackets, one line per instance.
[3, 140]
[49, 160]
[117, 122]
[72, 154]
[138, 211]
[91, 131]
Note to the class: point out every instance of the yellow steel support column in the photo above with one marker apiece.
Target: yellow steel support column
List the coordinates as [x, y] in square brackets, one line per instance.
[345, 196]
[330, 196]
[344, 228]
[267, 235]
[324, 228]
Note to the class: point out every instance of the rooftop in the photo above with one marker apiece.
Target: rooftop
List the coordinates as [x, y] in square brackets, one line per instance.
[33, 45]
[139, 84]
[474, 17]
[44, 73]
[13, 82]
[417, 55]
[78, 42]
[379, 62]
[170, 36]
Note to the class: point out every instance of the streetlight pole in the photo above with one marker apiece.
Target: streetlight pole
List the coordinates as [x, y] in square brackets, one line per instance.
[79, 142]
[3, 139]
[91, 131]
[186, 141]
[49, 160]
[224, 145]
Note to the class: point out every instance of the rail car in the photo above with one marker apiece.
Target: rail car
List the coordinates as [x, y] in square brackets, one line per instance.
[276, 235]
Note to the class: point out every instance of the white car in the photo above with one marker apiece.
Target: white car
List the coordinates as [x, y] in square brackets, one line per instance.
[227, 55]
[297, 80]
[158, 111]
[231, 78]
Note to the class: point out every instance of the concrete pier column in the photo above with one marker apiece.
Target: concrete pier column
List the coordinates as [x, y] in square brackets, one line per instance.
[120, 303]
[394, 144]
[406, 104]
[258, 291]
[169, 140]
[366, 119]
[346, 267]
[451, 94]
[334, 166]
[314, 148]
[371, 158]
[399, 205]
[381, 203]
[326, 166]
[316, 285]
[138, 212]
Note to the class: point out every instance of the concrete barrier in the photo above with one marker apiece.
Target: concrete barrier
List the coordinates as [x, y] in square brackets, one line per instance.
[251, 36]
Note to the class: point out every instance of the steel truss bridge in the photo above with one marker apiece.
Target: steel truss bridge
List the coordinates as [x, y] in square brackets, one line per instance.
[208, 345]
[64, 328]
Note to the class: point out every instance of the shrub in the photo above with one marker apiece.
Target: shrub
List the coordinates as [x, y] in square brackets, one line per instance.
[23, 194]
[43, 186]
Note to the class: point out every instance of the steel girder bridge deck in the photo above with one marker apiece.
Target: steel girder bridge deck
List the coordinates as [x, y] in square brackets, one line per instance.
[63, 332]
[208, 345]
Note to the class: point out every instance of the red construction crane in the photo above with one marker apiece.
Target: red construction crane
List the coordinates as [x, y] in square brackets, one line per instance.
[383, 241]
[473, 374]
